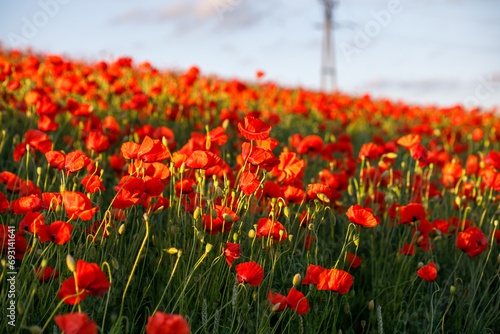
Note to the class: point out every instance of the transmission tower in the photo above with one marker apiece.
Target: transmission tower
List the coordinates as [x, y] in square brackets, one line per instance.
[328, 71]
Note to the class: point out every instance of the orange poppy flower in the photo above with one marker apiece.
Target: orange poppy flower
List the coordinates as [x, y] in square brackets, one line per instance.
[249, 183]
[409, 141]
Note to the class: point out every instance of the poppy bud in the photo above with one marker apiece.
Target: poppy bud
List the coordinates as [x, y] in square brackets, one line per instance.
[235, 237]
[208, 143]
[208, 248]
[115, 264]
[172, 250]
[197, 213]
[121, 229]
[179, 253]
[391, 155]
[498, 259]
[420, 265]
[183, 168]
[296, 279]
[70, 262]
[371, 305]
[347, 308]
[458, 201]
[146, 217]
[452, 289]
[286, 211]
[363, 324]
[35, 329]
[44, 263]
[251, 234]
[227, 217]
[276, 307]
[213, 213]
[4, 263]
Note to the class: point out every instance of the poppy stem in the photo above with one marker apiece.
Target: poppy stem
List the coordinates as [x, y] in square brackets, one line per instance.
[133, 268]
[168, 283]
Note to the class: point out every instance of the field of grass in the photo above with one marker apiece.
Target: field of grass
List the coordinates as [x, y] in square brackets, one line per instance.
[134, 200]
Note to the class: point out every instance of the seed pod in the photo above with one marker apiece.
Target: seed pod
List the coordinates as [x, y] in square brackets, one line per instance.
[208, 248]
[371, 305]
[213, 213]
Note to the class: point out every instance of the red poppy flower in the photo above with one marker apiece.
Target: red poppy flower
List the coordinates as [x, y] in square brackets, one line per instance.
[250, 272]
[4, 203]
[90, 279]
[258, 156]
[152, 150]
[46, 123]
[232, 251]
[76, 323]
[254, 128]
[19, 241]
[268, 227]
[219, 224]
[78, 205]
[97, 141]
[361, 216]
[428, 273]
[55, 159]
[58, 232]
[52, 200]
[184, 186]
[75, 161]
[129, 150]
[294, 195]
[23, 205]
[92, 184]
[452, 171]
[313, 144]
[39, 140]
[162, 323]
[335, 280]
[202, 160]
[369, 151]
[319, 191]
[273, 190]
[130, 192]
[353, 260]
[248, 183]
[46, 274]
[275, 299]
[289, 167]
[477, 134]
[297, 301]
[312, 275]
[472, 241]
[411, 213]
[408, 249]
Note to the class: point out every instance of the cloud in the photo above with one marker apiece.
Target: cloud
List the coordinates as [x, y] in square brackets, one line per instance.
[431, 84]
[186, 15]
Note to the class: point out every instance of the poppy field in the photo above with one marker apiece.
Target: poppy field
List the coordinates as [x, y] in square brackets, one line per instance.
[134, 200]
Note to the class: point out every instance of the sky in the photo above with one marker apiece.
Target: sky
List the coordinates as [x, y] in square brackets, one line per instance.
[439, 52]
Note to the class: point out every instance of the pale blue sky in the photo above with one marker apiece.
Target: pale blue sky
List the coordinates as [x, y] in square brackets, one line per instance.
[430, 51]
